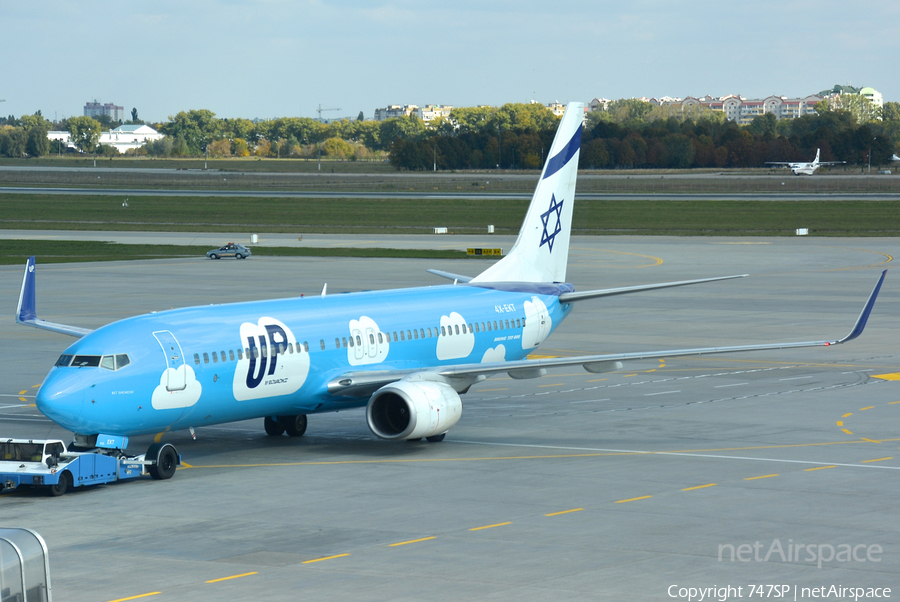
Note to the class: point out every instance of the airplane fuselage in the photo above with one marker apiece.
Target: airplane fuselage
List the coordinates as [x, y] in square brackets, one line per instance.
[207, 365]
[804, 169]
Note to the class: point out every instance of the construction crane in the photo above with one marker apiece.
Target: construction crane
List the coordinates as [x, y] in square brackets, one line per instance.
[320, 109]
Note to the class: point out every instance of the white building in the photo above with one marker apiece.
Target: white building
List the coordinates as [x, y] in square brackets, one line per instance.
[392, 111]
[429, 113]
[122, 138]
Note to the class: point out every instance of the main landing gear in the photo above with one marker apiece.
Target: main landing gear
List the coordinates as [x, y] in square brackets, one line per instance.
[294, 426]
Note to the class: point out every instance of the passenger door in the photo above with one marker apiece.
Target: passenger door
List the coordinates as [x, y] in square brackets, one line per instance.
[177, 377]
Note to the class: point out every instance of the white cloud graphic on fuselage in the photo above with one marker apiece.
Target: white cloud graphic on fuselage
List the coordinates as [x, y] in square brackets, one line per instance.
[262, 372]
[163, 399]
[456, 345]
[537, 323]
[494, 354]
[364, 350]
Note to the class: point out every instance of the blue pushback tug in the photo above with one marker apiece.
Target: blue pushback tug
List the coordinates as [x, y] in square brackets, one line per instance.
[47, 463]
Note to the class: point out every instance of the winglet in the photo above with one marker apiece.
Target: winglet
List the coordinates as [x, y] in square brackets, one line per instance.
[864, 314]
[26, 310]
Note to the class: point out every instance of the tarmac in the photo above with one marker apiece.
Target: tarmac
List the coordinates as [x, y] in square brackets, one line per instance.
[692, 473]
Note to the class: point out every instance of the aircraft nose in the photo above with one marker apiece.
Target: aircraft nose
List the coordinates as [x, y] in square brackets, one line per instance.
[61, 398]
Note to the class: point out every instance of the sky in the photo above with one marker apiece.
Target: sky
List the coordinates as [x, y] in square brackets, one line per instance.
[284, 58]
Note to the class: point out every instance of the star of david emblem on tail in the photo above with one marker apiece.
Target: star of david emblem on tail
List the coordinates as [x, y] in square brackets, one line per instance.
[547, 236]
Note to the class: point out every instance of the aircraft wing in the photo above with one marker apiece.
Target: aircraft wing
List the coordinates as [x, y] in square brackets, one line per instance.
[364, 383]
[26, 312]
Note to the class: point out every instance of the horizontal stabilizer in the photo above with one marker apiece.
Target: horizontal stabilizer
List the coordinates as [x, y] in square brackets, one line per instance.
[26, 312]
[609, 292]
[449, 275]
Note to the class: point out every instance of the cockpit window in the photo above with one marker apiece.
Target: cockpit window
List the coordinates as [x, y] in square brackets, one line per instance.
[86, 361]
[107, 362]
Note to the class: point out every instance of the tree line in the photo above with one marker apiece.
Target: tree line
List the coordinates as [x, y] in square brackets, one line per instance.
[628, 133]
[634, 134]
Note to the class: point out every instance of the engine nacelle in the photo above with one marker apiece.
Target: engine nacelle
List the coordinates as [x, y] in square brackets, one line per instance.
[413, 409]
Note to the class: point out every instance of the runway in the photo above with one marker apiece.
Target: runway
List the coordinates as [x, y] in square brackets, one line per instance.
[586, 195]
[574, 486]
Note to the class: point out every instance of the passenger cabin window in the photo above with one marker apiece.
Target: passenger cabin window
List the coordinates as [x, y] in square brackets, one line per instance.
[443, 331]
[337, 343]
[215, 359]
[240, 355]
[205, 358]
[306, 346]
[322, 344]
[197, 358]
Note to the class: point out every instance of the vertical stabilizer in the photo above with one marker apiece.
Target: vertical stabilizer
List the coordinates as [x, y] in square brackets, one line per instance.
[816, 160]
[541, 251]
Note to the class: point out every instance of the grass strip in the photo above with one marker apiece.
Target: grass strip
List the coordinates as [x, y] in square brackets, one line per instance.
[16, 251]
[410, 216]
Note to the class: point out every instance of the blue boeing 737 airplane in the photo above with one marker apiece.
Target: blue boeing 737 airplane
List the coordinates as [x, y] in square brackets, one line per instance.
[405, 355]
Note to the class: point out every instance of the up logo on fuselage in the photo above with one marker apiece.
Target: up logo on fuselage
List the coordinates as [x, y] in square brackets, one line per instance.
[274, 365]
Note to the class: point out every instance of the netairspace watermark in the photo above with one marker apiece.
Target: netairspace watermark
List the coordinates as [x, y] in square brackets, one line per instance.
[784, 592]
[821, 553]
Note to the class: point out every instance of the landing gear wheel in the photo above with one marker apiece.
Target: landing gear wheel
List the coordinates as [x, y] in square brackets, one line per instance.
[65, 481]
[273, 427]
[166, 460]
[294, 426]
[436, 438]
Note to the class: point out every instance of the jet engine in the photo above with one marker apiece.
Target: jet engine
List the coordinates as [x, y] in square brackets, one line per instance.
[413, 409]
